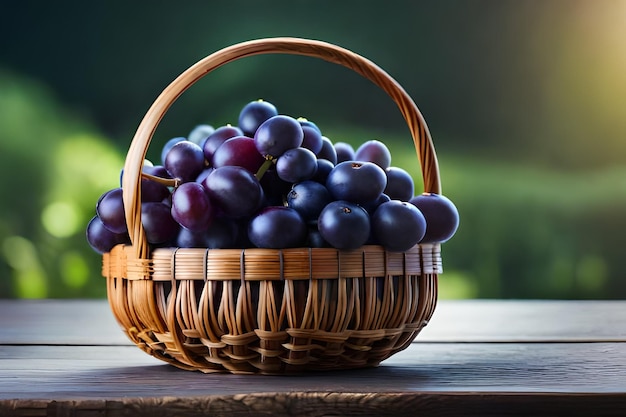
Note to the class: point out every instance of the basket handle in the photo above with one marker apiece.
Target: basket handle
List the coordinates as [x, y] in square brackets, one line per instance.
[137, 151]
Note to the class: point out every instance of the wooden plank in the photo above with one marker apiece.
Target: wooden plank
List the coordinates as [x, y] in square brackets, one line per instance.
[54, 322]
[317, 404]
[527, 321]
[97, 372]
[476, 357]
[90, 322]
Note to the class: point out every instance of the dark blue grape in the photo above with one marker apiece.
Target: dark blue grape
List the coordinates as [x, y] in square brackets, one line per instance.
[324, 166]
[345, 152]
[374, 151]
[312, 139]
[357, 182]
[309, 199]
[400, 184]
[277, 134]
[442, 216]
[254, 114]
[328, 151]
[398, 225]
[344, 225]
[277, 228]
[296, 164]
[371, 206]
[305, 122]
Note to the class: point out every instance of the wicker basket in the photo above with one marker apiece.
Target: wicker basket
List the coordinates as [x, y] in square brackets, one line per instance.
[264, 310]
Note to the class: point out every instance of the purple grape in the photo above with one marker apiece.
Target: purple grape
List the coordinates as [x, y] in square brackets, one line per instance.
[442, 216]
[200, 133]
[277, 227]
[398, 225]
[110, 210]
[156, 170]
[308, 198]
[357, 182]
[219, 136]
[235, 190]
[277, 134]
[312, 138]
[328, 151]
[189, 239]
[371, 206]
[191, 207]
[344, 225]
[274, 181]
[168, 145]
[345, 152]
[185, 160]
[152, 190]
[221, 234]
[101, 239]
[238, 151]
[205, 173]
[296, 165]
[307, 123]
[158, 223]
[324, 166]
[374, 151]
[254, 114]
[400, 184]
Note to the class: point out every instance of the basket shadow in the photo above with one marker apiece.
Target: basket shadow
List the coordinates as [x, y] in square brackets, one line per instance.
[167, 380]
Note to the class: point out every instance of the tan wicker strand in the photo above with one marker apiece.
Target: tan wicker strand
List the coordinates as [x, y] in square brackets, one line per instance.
[297, 263]
[263, 310]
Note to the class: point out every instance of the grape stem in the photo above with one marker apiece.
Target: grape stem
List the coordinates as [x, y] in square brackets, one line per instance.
[169, 182]
[269, 160]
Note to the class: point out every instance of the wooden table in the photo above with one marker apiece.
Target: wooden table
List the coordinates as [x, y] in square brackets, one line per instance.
[69, 358]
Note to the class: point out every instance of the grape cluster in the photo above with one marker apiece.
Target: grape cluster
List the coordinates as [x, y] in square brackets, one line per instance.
[274, 181]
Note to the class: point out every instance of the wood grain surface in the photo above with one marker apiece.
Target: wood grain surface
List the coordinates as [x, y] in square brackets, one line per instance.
[90, 322]
[69, 358]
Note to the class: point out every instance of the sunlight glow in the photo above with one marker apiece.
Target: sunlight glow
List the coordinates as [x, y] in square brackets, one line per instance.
[61, 219]
[28, 275]
[74, 269]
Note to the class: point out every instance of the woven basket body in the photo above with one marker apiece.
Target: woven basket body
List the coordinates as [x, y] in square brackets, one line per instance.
[266, 310]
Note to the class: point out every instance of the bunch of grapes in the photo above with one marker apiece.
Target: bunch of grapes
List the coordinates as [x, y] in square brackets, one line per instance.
[274, 181]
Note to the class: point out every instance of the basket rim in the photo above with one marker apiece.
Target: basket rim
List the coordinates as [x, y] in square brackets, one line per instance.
[263, 264]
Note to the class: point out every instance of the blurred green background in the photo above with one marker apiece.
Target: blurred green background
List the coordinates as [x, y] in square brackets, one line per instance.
[525, 100]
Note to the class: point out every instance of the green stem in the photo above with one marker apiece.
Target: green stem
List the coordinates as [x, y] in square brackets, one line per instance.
[269, 160]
